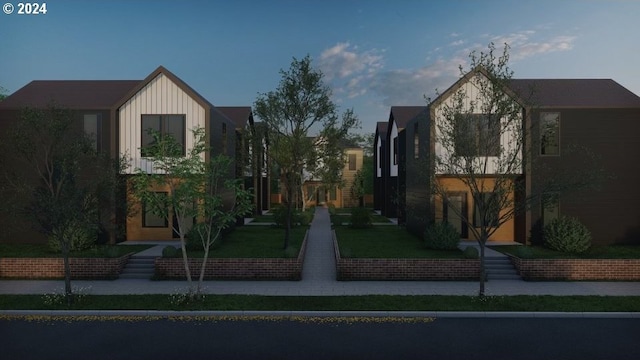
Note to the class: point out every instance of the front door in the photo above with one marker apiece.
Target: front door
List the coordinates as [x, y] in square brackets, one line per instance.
[456, 204]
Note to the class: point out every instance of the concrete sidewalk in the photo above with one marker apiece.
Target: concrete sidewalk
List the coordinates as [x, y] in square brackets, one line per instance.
[319, 279]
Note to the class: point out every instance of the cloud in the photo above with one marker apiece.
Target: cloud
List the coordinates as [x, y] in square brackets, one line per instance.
[353, 72]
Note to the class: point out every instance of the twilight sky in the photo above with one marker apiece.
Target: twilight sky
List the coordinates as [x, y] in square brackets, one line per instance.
[374, 53]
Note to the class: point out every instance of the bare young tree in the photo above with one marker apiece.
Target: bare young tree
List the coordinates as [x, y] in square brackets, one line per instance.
[197, 191]
[483, 145]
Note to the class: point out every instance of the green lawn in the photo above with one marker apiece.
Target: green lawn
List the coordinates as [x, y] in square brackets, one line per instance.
[336, 303]
[263, 218]
[255, 242]
[595, 252]
[43, 251]
[374, 217]
[386, 242]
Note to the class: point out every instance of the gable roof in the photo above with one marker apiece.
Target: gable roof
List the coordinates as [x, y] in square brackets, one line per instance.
[401, 115]
[381, 131]
[239, 114]
[72, 94]
[176, 80]
[575, 93]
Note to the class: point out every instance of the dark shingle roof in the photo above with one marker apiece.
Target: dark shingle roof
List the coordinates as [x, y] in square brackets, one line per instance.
[578, 93]
[403, 114]
[73, 94]
[239, 114]
[381, 129]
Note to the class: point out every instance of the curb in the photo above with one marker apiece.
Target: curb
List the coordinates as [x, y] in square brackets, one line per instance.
[323, 314]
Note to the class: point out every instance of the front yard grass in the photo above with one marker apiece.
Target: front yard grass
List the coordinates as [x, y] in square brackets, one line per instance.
[386, 242]
[255, 242]
[43, 251]
[595, 252]
[336, 303]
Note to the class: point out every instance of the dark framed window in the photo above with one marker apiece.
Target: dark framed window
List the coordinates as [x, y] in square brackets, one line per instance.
[550, 133]
[164, 125]
[92, 124]
[352, 162]
[454, 205]
[333, 194]
[224, 138]
[416, 142]
[487, 201]
[379, 157]
[149, 219]
[476, 135]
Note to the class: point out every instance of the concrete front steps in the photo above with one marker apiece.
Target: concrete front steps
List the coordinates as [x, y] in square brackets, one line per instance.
[500, 268]
[139, 267]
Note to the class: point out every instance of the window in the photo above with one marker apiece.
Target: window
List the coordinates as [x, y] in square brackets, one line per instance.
[379, 157]
[395, 150]
[164, 125]
[476, 135]
[149, 219]
[550, 134]
[352, 162]
[416, 142]
[224, 138]
[333, 194]
[455, 205]
[488, 202]
[92, 124]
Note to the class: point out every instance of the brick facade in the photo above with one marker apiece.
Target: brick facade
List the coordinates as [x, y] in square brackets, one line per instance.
[578, 269]
[404, 269]
[235, 268]
[53, 268]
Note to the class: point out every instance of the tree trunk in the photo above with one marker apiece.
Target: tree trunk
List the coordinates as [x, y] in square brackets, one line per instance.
[68, 293]
[483, 272]
[185, 260]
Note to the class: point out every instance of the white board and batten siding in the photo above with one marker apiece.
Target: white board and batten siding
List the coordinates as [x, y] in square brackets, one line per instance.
[507, 137]
[160, 96]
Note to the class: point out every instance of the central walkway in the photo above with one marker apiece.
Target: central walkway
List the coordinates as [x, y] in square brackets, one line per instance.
[319, 279]
[319, 260]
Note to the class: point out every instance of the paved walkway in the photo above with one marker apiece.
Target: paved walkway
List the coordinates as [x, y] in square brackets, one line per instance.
[319, 280]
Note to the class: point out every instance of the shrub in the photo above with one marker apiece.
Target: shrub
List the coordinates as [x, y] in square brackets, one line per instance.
[81, 237]
[291, 252]
[536, 233]
[336, 220]
[441, 236]
[360, 218]
[170, 252]
[470, 252]
[332, 209]
[304, 218]
[567, 234]
[524, 252]
[193, 240]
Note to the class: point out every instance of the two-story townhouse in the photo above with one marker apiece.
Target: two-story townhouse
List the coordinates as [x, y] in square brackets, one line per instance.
[119, 114]
[318, 193]
[559, 115]
[599, 116]
[395, 189]
[92, 103]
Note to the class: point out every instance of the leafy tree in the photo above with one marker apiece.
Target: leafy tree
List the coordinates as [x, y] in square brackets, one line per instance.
[469, 129]
[72, 181]
[3, 93]
[302, 102]
[198, 190]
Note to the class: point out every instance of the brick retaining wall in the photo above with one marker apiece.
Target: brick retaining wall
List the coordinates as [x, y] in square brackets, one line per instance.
[235, 268]
[578, 269]
[53, 268]
[404, 269]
